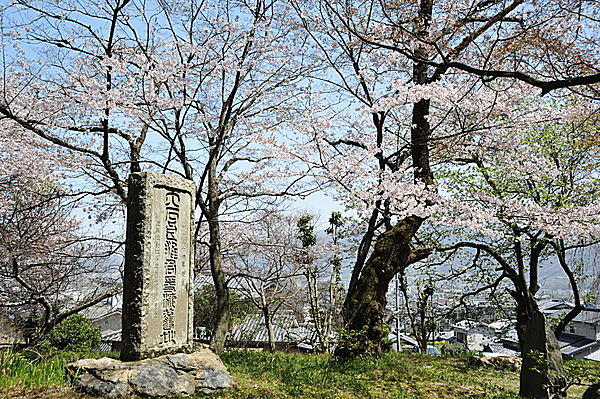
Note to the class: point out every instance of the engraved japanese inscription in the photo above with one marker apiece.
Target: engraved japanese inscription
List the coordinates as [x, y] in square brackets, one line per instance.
[172, 200]
[158, 281]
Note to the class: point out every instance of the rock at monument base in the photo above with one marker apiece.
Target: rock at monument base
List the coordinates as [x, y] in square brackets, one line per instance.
[179, 374]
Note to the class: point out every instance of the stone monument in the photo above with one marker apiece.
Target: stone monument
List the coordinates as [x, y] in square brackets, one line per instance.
[159, 254]
[157, 331]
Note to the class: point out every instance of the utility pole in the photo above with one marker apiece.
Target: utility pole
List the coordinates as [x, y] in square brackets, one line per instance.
[397, 314]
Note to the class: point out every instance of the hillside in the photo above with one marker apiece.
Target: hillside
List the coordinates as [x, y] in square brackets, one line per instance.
[280, 375]
[394, 375]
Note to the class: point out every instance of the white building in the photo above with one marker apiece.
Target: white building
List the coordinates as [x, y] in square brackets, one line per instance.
[581, 339]
[586, 324]
[474, 335]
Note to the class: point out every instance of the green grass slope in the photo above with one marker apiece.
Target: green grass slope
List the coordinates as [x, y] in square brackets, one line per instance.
[394, 375]
[281, 375]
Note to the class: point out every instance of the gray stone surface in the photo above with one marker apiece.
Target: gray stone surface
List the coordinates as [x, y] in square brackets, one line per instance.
[158, 279]
[180, 374]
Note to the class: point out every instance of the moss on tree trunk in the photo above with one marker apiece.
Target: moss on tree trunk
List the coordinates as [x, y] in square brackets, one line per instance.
[363, 310]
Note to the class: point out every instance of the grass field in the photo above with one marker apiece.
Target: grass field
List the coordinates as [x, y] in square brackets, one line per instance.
[281, 375]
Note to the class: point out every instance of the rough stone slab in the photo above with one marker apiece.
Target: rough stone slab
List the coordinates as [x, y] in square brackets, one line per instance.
[180, 374]
[512, 363]
[159, 254]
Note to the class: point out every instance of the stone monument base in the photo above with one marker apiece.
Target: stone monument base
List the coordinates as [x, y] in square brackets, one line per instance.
[179, 374]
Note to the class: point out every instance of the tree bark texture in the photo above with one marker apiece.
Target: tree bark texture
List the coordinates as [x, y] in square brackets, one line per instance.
[223, 311]
[542, 375]
[268, 318]
[363, 309]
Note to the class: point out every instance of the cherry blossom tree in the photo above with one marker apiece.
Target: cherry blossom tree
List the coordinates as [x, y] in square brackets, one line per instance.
[533, 198]
[44, 253]
[447, 57]
[354, 141]
[187, 88]
[45, 262]
[421, 45]
[263, 262]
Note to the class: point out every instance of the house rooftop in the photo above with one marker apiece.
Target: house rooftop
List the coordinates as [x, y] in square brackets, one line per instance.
[588, 317]
[468, 324]
[502, 324]
[553, 305]
[404, 339]
[499, 349]
[571, 344]
[112, 336]
[285, 328]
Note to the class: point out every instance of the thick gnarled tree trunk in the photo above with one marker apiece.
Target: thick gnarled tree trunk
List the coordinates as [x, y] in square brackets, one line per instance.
[542, 374]
[363, 309]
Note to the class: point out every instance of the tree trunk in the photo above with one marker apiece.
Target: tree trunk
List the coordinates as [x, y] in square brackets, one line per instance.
[363, 309]
[523, 317]
[223, 311]
[542, 375]
[423, 332]
[223, 316]
[269, 326]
